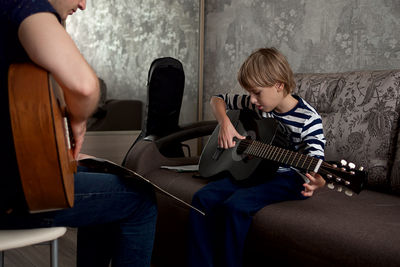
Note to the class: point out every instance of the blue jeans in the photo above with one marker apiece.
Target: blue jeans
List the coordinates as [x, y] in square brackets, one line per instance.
[115, 217]
[218, 238]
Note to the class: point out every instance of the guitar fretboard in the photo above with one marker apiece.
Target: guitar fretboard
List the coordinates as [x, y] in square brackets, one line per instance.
[277, 154]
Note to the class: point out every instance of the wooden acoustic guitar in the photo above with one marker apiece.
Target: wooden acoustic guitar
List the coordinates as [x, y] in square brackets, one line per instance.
[41, 138]
[265, 142]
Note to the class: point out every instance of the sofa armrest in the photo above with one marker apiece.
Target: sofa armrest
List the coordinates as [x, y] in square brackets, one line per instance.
[144, 156]
[187, 132]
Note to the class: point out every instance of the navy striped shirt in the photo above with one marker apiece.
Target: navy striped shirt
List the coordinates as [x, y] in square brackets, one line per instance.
[303, 121]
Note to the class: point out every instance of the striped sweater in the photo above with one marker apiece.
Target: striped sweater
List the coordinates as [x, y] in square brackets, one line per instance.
[303, 121]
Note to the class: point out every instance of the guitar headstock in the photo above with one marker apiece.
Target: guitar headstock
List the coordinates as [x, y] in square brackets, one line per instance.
[342, 174]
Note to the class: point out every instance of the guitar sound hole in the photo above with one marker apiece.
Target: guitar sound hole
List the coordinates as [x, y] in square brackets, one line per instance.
[247, 159]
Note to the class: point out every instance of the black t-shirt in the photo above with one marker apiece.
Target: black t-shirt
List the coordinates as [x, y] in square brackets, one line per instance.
[12, 13]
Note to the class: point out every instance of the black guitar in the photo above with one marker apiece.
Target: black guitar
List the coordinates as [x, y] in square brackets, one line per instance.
[266, 141]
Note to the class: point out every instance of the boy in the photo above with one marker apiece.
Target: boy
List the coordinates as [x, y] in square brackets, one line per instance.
[217, 239]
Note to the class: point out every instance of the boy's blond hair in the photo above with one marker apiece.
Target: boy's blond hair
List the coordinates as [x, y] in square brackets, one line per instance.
[265, 68]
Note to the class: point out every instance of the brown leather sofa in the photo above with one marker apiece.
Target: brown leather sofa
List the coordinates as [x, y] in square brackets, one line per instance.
[360, 113]
[115, 114]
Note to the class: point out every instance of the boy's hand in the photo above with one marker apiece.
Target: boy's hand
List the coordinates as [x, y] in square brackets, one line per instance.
[316, 181]
[226, 134]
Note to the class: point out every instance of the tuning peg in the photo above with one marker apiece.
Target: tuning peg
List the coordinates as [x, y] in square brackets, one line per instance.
[361, 168]
[348, 192]
[334, 165]
[339, 189]
[331, 186]
[352, 165]
[343, 162]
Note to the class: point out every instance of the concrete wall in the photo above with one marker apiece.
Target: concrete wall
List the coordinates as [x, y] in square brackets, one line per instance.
[315, 36]
[121, 38]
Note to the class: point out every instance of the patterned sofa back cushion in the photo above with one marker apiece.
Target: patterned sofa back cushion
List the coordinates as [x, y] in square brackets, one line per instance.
[360, 112]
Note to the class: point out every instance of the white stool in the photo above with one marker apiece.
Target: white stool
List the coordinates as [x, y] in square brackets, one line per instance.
[10, 239]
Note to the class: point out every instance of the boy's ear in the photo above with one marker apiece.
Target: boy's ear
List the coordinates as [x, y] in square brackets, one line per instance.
[279, 86]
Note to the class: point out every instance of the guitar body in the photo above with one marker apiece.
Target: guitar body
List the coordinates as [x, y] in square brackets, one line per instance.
[215, 162]
[41, 138]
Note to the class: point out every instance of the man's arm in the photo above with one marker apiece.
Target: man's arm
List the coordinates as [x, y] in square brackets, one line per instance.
[49, 45]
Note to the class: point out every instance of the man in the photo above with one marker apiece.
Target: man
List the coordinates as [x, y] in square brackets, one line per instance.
[115, 218]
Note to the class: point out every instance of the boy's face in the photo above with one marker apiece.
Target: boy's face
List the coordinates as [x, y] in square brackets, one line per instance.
[67, 7]
[267, 98]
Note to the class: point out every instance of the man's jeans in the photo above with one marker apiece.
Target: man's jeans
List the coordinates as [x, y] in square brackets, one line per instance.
[115, 217]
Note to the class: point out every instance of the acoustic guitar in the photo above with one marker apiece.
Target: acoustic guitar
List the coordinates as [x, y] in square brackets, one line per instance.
[41, 138]
[265, 142]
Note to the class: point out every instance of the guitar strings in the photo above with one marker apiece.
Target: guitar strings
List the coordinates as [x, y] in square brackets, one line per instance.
[259, 149]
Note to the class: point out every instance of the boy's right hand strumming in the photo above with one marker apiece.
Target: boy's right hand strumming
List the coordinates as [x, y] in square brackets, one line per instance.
[226, 132]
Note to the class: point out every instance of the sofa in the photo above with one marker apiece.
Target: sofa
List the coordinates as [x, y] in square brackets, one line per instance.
[360, 112]
[115, 114]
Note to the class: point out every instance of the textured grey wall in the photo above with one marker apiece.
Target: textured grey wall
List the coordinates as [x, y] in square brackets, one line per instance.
[315, 35]
[120, 39]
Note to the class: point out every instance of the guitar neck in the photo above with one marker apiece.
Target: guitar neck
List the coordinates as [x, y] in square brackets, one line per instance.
[265, 151]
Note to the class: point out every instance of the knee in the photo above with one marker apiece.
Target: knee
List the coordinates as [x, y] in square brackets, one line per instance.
[198, 199]
[234, 208]
[203, 200]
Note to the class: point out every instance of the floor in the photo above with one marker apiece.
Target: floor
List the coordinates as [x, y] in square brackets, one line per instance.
[39, 255]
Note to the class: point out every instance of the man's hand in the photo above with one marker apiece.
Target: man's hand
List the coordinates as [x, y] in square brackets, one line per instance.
[85, 156]
[316, 181]
[78, 132]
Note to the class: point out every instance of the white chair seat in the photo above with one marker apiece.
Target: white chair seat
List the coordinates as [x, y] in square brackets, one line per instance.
[10, 239]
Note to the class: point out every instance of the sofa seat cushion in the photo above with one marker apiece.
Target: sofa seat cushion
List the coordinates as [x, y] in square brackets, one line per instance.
[329, 228]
